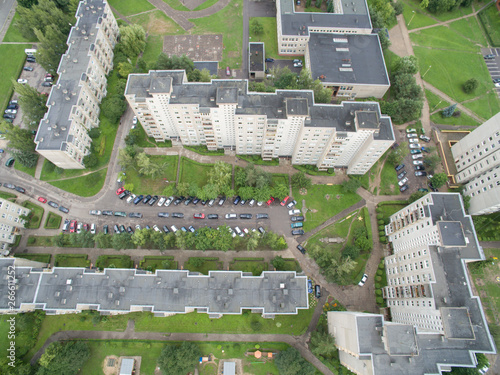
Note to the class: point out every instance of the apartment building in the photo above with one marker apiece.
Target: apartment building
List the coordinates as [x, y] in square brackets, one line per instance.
[437, 322]
[339, 48]
[477, 158]
[73, 103]
[10, 222]
[224, 114]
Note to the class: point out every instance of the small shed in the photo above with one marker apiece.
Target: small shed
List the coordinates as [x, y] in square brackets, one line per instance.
[229, 368]
[127, 366]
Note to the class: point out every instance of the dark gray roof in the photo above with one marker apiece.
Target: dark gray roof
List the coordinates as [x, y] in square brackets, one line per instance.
[354, 15]
[347, 59]
[297, 107]
[211, 66]
[256, 56]
[166, 291]
[451, 233]
[73, 64]
[227, 95]
[401, 339]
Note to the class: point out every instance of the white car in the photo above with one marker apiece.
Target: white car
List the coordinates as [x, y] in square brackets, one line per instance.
[260, 203]
[403, 181]
[22, 81]
[415, 145]
[131, 198]
[239, 231]
[425, 138]
[497, 84]
[293, 212]
[134, 120]
[299, 65]
[137, 227]
[92, 228]
[168, 201]
[155, 227]
[11, 111]
[291, 204]
[95, 212]
[363, 280]
[411, 130]
[412, 135]
[232, 232]
[418, 162]
[413, 140]
[161, 201]
[417, 156]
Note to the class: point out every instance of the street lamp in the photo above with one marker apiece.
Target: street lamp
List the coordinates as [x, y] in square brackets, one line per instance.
[430, 66]
[411, 19]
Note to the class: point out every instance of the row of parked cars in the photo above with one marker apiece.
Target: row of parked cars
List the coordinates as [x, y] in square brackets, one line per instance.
[53, 205]
[11, 112]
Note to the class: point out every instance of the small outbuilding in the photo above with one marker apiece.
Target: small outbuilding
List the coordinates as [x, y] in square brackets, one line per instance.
[229, 368]
[127, 366]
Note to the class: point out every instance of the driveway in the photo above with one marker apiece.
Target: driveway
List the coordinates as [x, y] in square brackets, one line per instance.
[264, 8]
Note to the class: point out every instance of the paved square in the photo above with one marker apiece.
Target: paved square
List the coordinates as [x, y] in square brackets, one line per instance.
[196, 47]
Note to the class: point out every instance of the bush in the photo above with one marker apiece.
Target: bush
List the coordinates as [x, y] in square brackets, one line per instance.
[380, 222]
[380, 301]
[470, 85]
[381, 227]
[379, 216]
[383, 239]
[378, 292]
[378, 278]
[381, 233]
[379, 272]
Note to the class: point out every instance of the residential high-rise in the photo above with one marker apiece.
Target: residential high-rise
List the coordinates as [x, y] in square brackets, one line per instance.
[287, 123]
[477, 158]
[73, 103]
[437, 322]
[10, 222]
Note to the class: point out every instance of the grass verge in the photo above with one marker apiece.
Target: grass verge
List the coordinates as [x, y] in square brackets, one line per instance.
[152, 263]
[9, 196]
[35, 215]
[202, 150]
[28, 170]
[114, 261]
[53, 221]
[71, 260]
[203, 264]
[254, 265]
[43, 258]
[491, 24]
[84, 186]
[194, 172]
[464, 120]
[12, 58]
[154, 46]
[13, 34]
[129, 7]
[313, 170]
[146, 185]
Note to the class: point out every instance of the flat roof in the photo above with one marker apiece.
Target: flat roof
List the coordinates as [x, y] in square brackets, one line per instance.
[211, 66]
[451, 233]
[229, 368]
[347, 59]
[256, 56]
[127, 366]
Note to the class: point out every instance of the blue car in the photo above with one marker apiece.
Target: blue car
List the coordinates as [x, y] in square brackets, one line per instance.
[309, 285]
[138, 199]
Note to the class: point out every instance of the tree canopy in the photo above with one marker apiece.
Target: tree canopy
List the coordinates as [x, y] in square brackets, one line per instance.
[63, 358]
[132, 39]
[290, 362]
[179, 359]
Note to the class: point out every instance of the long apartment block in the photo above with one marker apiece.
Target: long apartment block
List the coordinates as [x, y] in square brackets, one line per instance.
[339, 48]
[436, 321]
[10, 223]
[477, 158]
[163, 293]
[73, 103]
[223, 114]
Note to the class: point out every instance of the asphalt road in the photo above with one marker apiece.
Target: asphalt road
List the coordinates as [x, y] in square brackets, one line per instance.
[5, 7]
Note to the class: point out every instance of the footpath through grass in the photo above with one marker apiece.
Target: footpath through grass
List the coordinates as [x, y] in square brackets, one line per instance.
[84, 186]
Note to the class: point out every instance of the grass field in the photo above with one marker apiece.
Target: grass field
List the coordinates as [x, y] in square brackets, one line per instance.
[279, 179]
[491, 24]
[129, 7]
[319, 209]
[53, 221]
[12, 57]
[206, 4]
[146, 185]
[31, 171]
[415, 17]
[71, 260]
[44, 241]
[84, 186]
[471, 29]
[158, 24]
[158, 263]
[389, 180]
[37, 212]
[13, 34]
[119, 261]
[388, 209]
[44, 258]
[444, 38]
[253, 265]
[145, 141]
[194, 172]
[177, 5]
[435, 102]
[229, 23]
[464, 119]
[209, 264]
[486, 106]
[154, 46]
[268, 36]
[9, 196]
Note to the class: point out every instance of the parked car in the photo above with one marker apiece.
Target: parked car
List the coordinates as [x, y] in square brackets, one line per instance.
[297, 65]
[412, 135]
[415, 145]
[72, 226]
[489, 56]
[120, 190]
[191, 229]
[291, 204]
[156, 229]
[283, 202]
[417, 156]
[297, 218]
[399, 167]
[136, 215]
[425, 138]
[161, 201]
[415, 151]
[169, 201]
[124, 194]
[196, 200]
[9, 116]
[222, 200]
[120, 213]
[42, 199]
[301, 249]
[403, 188]
[293, 212]
[116, 229]
[268, 59]
[177, 201]
[188, 200]
[95, 212]
[131, 198]
[20, 189]
[401, 175]
[130, 230]
[165, 229]
[403, 181]
[262, 216]
[420, 173]
[92, 228]
[10, 162]
[178, 215]
[317, 291]
[211, 202]
[146, 199]
[231, 216]
[163, 214]
[251, 203]
[419, 167]
[46, 84]
[236, 200]
[11, 111]
[299, 224]
[199, 216]
[212, 216]
[246, 216]
[105, 229]
[261, 230]
[418, 162]
[228, 71]
[423, 190]
[153, 200]
[22, 81]
[363, 280]
[426, 149]
[271, 200]
[413, 140]
[50, 203]
[28, 68]
[411, 130]
[239, 232]
[107, 213]
[243, 201]
[297, 232]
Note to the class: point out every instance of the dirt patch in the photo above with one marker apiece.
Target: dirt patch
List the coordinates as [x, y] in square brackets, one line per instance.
[338, 196]
[327, 197]
[313, 210]
[196, 47]
[303, 191]
[479, 282]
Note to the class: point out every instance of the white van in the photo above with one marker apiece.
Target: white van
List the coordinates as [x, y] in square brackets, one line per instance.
[174, 228]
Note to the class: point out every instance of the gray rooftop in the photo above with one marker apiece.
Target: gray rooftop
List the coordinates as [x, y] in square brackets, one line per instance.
[73, 64]
[354, 15]
[256, 57]
[211, 66]
[347, 59]
[276, 105]
[229, 368]
[166, 291]
[401, 339]
[451, 233]
[127, 366]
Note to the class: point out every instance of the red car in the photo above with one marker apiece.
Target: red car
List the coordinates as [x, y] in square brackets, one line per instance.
[86, 227]
[42, 199]
[271, 200]
[283, 202]
[120, 190]
[72, 226]
[199, 216]
[228, 71]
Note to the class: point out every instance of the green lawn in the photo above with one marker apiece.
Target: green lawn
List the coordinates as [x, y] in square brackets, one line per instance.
[279, 179]
[486, 106]
[202, 150]
[157, 263]
[177, 5]
[84, 186]
[129, 7]
[257, 160]
[9, 196]
[450, 69]
[491, 24]
[53, 221]
[44, 258]
[464, 119]
[471, 29]
[254, 265]
[291, 265]
[12, 58]
[389, 180]
[145, 141]
[319, 209]
[442, 37]
[456, 13]
[435, 101]
[71, 260]
[209, 264]
[154, 46]
[194, 172]
[206, 4]
[37, 212]
[269, 36]
[31, 171]
[390, 208]
[44, 241]
[157, 23]
[119, 261]
[146, 185]
[14, 35]
[415, 16]
[313, 170]
[229, 23]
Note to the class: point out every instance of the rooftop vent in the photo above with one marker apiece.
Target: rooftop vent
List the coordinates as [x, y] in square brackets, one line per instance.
[67, 98]
[63, 128]
[65, 91]
[75, 60]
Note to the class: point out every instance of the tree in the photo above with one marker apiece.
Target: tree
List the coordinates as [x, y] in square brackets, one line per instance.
[113, 107]
[337, 271]
[396, 156]
[407, 65]
[263, 194]
[51, 46]
[329, 7]
[278, 262]
[122, 241]
[19, 139]
[280, 191]
[165, 62]
[63, 358]
[40, 16]
[220, 175]
[350, 251]
[102, 240]
[183, 188]
[32, 104]
[94, 133]
[132, 40]
[90, 160]
[141, 237]
[416, 196]
[147, 168]
[322, 344]
[440, 6]
[200, 76]
[27, 158]
[308, 3]
[290, 362]
[169, 190]
[432, 161]
[246, 192]
[209, 191]
[322, 94]
[256, 27]
[398, 8]
[126, 160]
[384, 39]
[284, 78]
[124, 69]
[240, 177]
[438, 180]
[318, 3]
[405, 86]
[59, 240]
[300, 180]
[27, 3]
[351, 185]
[471, 85]
[448, 111]
[179, 359]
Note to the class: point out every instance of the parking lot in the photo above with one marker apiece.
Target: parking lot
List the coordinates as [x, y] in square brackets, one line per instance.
[283, 63]
[493, 64]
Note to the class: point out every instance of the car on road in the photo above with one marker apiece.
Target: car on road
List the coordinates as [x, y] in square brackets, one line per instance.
[72, 226]
[262, 216]
[199, 216]
[52, 204]
[283, 202]
[299, 224]
[301, 249]
[425, 138]
[64, 209]
[163, 214]
[212, 216]
[401, 175]
[293, 212]
[489, 56]
[107, 213]
[236, 200]
[120, 213]
[178, 215]
[136, 215]
[120, 190]
[403, 188]
[161, 201]
[403, 181]
[297, 232]
[412, 135]
[268, 59]
[291, 204]
[231, 216]
[42, 199]
[297, 218]
[363, 280]
[399, 167]
[418, 162]
[131, 198]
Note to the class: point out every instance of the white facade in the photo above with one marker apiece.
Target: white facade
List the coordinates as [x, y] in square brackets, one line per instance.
[10, 222]
[477, 158]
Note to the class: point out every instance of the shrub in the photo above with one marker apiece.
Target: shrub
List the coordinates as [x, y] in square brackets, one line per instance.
[379, 272]
[380, 301]
[381, 266]
[381, 233]
[378, 292]
[383, 239]
[378, 278]
[31, 240]
[380, 222]
[379, 213]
